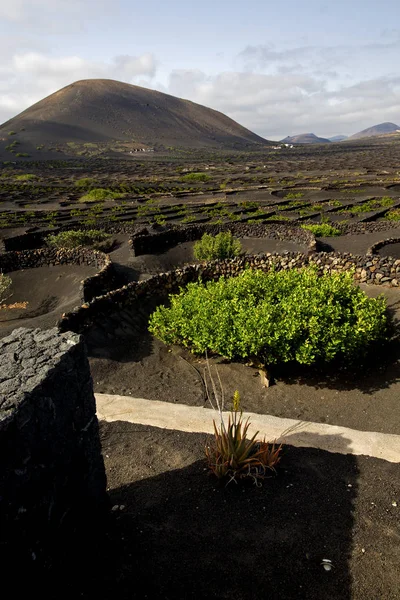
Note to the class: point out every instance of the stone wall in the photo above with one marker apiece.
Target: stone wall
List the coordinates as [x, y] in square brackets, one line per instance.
[366, 227]
[367, 269]
[26, 241]
[94, 286]
[52, 477]
[157, 241]
[378, 245]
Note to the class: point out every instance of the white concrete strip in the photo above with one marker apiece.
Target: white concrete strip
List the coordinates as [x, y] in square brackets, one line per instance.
[297, 433]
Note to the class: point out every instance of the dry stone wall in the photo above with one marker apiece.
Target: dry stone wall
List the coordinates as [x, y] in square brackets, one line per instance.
[378, 245]
[151, 242]
[52, 477]
[94, 286]
[367, 269]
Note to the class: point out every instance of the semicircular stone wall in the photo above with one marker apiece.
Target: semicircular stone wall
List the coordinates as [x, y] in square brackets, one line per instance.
[367, 269]
[92, 287]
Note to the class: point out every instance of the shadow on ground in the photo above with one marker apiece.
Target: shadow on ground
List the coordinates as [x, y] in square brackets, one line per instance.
[182, 534]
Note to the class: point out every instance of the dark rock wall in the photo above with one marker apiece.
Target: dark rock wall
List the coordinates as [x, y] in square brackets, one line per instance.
[52, 477]
[153, 242]
[94, 286]
[367, 269]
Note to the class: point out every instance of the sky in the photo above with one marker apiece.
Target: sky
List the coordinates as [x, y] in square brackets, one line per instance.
[279, 68]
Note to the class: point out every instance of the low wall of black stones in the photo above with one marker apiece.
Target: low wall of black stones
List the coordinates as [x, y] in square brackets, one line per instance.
[31, 240]
[366, 227]
[378, 245]
[94, 286]
[25, 241]
[158, 241]
[367, 269]
[52, 477]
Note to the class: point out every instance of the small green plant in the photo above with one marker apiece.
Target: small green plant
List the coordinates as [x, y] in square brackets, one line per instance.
[85, 182]
[22, 155]
[196, 177]
[160, 219]
[26, 177]
[247, 204]
[322, 230]
[12, 133]
[5, 284]
[221, 246]
[188, 219]
[72, 239]
[232, 453]
[393, 215]
[293, 195]
[97, 194]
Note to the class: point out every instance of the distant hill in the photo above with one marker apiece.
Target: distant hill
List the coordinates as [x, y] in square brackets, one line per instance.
[304, 138]
[381, 129]
[338, 138]
[101, 111]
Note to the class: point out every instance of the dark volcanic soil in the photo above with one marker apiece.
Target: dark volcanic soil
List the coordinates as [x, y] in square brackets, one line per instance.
[49, 291]
[182, 254]
[175, 532]
[142, 366]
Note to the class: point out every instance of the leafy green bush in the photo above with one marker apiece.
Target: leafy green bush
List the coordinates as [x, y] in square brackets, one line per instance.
[221, 246]
[72, 239]
[26, 177]
[393, 215]
[293, 195]
[85, 182]
[277, 317]
[100, 194]
[322, 230]
[5, 283]
[196, 177]
[22, 155]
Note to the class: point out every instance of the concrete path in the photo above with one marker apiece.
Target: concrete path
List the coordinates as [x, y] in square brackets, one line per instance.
[297, 433]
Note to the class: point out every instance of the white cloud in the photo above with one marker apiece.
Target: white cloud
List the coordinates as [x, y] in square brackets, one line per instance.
[277, 105]
[43, 13]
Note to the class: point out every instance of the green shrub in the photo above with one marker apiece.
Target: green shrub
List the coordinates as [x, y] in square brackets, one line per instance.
[22, 155]
[221, 246]
[26, 177]
[322, 230]
[196, 177]
[293, 195]
[85, 182]
[393, 215]
[100, 194]
[276, 317]
[5, 283]
[72, 239]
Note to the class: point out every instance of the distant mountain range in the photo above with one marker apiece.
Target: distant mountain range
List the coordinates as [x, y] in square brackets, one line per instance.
[103, 111]
[338, 138]
[381, 129]
[110, 115]
[304, 138]
[375, 131]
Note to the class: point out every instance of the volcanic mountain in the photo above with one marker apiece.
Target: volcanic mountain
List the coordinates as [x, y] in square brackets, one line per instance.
[338, 138]
[381, 129]
[304, 138]
[103, 110]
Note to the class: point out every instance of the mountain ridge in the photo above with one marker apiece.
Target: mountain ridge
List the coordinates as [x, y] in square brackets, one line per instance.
[105, 110]
[304, 138]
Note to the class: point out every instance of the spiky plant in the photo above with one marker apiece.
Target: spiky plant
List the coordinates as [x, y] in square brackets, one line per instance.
[232, 453]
